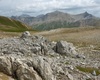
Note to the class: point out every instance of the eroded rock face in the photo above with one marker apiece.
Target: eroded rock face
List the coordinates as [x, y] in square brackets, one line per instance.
[5, 77]
[25, 72]
[44, 68]
[36, 58]
[5, 65]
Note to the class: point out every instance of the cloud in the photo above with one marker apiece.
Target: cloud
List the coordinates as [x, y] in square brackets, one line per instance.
[43, 6]
[55, 4]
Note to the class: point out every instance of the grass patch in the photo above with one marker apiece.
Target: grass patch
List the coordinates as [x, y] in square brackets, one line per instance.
[88, 69]
[89, 79]
[97, 48]
[66, 63]
[51, 55]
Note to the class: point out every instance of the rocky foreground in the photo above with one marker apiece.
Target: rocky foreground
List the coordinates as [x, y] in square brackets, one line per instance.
[36, 58]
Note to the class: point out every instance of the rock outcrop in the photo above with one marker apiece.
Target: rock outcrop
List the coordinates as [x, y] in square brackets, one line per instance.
[64, 47]
[25, 72]
[36, 58]
[5, 65]
[25, 34]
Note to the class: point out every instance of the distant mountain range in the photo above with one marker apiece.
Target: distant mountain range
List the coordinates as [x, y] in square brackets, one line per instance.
[8, 24]
[59, 19]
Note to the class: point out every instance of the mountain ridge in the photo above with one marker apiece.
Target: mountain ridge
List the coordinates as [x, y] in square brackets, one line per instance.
[59, 19]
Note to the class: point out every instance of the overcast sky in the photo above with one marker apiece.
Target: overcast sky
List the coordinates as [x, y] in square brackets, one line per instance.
[36, 7]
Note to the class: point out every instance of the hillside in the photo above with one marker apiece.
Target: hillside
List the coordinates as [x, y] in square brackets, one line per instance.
[59, 19]
[7, 24]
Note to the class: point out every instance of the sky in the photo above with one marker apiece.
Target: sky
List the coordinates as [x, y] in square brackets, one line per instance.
[37, 7]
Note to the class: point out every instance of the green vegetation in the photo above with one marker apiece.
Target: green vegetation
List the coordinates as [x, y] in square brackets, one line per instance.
[89, 79]
[55, 25]
[66, 63]
[51, 55]
[88, 69]
[97, 48]
[10, 25]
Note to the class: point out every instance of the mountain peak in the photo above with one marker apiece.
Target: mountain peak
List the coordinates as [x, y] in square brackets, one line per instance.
[86, 14]
[57, 12]
[24, 15]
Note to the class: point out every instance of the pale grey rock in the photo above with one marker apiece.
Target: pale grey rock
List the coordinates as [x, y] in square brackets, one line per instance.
[15, 64]
[39, 39]
[25, 72]
[44, 48]
[36, 48]
[43, 67]
[60, 70]
[80, 56]
[70, 67]
[94, 73]
[70, 77]
[5, 65]
[25, 34]
[64, 47]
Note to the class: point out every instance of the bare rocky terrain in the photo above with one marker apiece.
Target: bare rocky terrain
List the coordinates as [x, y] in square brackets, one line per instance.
[34, 57]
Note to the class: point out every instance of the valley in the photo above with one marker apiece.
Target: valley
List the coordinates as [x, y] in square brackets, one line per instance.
[55, 51]
[57, 19]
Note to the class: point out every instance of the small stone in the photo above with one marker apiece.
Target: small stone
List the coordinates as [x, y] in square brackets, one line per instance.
[94, 73]
[2, 54]
[26, 34]
[71, 67]
[70, 77]
[80, 56]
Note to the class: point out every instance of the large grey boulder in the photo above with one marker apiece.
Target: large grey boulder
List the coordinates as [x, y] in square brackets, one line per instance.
[64, 47]
[43, 67]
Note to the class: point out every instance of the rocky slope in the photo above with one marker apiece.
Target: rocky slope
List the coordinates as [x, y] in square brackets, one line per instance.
[59, 19]
[36, 58]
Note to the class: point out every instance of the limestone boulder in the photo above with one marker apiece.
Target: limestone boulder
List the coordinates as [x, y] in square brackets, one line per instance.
[25, 72]
[5, 65]
[25, 34]
[43, 67]
[64, 47]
